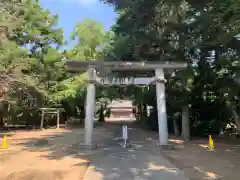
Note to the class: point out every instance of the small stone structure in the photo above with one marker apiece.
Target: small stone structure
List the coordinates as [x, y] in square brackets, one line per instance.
[121, 112]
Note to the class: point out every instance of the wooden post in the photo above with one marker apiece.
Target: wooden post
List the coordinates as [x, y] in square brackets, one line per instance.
[185, 123]
[42, 119]
[185, 116]
[58, 118]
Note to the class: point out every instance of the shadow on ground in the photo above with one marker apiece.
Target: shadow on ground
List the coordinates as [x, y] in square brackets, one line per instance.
[110, 161]
[49, 154]
[59, 145]
[142, 161]
[195, 159]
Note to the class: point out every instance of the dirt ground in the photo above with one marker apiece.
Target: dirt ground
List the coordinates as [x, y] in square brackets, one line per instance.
[54, 154]
[43, 155]
[199, 163]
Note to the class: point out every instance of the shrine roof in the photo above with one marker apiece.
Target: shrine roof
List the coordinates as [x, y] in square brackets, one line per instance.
[121, 104]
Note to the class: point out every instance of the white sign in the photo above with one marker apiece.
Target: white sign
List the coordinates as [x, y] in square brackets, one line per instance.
[143, 80]
[124, 132]
[125, 80]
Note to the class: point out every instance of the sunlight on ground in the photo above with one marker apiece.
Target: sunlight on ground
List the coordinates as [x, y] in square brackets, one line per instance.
[209, 175]
[206, 147]
[177, 141]
[203, 146]
[152, 166]
[29, 153]
[198, 162]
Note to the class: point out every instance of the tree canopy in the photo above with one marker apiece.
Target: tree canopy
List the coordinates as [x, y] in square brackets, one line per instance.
[204, 34]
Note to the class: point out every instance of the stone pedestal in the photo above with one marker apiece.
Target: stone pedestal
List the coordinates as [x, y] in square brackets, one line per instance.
[88, 146]
[166, 147]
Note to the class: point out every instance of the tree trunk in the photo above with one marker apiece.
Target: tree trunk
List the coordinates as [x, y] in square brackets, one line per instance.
[139, 112]
[82, 114]
[1, 122]
[176, 129]
[4, 109]
[42, 120]
[185, 123]
[101, 114]
[144, 112]
[236, 119]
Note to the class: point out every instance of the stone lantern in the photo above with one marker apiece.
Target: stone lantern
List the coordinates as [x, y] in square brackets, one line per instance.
[122, 113]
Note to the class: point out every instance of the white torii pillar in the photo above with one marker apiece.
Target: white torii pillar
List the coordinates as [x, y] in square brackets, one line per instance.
[161, 108]
[90, 107]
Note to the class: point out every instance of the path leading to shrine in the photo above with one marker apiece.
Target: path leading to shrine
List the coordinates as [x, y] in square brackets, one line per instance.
[142, 161]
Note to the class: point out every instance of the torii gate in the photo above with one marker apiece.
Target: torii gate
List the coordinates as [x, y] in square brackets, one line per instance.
[93, 79]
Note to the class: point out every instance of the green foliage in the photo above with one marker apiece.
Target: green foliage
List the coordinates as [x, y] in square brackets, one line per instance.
[201, 33]
[24, 71]
[204, 34]
[92, 40]
[90, 36]
[30, 58]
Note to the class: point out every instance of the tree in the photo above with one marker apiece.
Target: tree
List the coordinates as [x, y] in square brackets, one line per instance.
[25, 23]
[91, 36]
[91, 39]
[186, 31]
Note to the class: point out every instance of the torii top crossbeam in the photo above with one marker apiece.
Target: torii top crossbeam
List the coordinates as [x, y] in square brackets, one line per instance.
[78, 66]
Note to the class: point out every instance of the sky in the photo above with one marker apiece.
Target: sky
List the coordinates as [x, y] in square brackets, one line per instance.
[71, 11]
